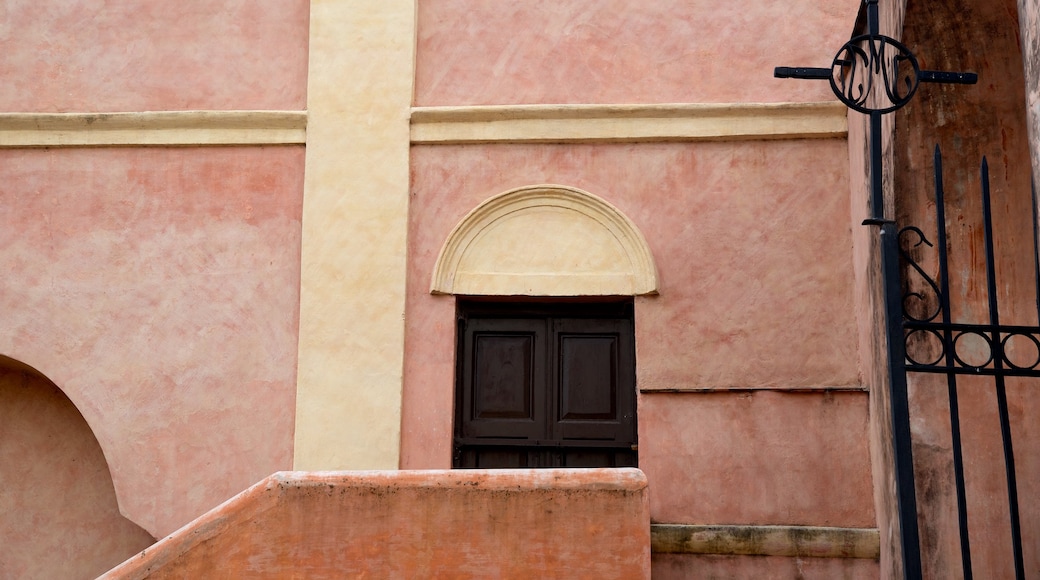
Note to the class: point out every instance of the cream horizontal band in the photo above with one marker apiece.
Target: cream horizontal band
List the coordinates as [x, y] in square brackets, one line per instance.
[156, 128]
[627, 123]
[792, 541]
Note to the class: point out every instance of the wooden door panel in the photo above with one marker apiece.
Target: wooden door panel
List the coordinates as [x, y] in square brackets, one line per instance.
[503, 376]
[595, 380]
[588, 377]
[503, 391]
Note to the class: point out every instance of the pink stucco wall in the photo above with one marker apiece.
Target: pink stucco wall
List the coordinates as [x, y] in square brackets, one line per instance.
[758, 457]
[753, 247]
[623, 51]
[60, 518]
[752, 242]
[93, 55]
[590, 523]
[159, 289]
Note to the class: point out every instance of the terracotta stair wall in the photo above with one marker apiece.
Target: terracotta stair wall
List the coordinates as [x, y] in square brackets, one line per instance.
[566, 523]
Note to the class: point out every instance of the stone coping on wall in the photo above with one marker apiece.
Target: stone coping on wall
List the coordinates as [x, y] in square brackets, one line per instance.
[595, 123]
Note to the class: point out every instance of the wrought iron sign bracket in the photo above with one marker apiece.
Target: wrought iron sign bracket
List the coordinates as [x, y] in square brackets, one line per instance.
[875, 74]
[925, 76]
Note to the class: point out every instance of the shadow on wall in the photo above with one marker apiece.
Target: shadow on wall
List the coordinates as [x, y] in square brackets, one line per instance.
[60, 517]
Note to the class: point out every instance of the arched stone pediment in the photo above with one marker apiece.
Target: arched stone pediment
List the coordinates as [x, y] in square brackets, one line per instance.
[545, 240]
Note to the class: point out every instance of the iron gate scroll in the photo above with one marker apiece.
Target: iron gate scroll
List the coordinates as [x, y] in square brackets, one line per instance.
[934, 343]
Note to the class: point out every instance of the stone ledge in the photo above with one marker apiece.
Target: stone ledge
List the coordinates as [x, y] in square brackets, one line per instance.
[818, 389]
[746, 540]
[153, 128]
[627, 123]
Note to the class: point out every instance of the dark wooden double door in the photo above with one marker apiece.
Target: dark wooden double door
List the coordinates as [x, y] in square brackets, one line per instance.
[545, 386]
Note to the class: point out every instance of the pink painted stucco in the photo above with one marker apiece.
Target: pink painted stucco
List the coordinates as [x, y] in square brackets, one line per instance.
[60, 517]
[752, 242]
[590, 523]
[94, 55]
[758, 457]
[623, 51]
[753, 247]
[159, 289]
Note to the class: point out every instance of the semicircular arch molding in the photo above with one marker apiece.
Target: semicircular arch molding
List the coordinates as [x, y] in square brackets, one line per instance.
[545, 240]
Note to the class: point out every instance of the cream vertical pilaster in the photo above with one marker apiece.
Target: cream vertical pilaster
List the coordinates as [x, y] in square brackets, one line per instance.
[355, 214]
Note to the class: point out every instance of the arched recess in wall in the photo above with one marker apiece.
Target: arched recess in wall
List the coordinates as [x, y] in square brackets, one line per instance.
[545, 240]
[60, 516]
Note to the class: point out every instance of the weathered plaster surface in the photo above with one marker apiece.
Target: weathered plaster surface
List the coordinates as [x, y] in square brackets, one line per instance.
[757, 458]
[159, 289]
[988, 119]
[60, 518]
[1029, 31]
[624, 51]
[589, 523]
[751, 241]
[153, 55]
[355, 221]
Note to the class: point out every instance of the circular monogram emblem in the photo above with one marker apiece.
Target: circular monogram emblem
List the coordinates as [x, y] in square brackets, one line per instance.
[874, 73]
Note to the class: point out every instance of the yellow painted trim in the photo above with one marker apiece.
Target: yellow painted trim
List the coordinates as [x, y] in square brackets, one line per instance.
[791, 541]
[471, 260]
[627, 123]
[355, 223]
[158, 128]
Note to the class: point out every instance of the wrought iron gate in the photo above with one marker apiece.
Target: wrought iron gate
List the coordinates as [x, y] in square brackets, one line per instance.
[934, 343]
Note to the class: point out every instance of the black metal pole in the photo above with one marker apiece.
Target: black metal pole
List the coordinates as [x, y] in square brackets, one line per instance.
[951, 376]
[906, 498]
[873, 26]
[903, 454]
[877, 188]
